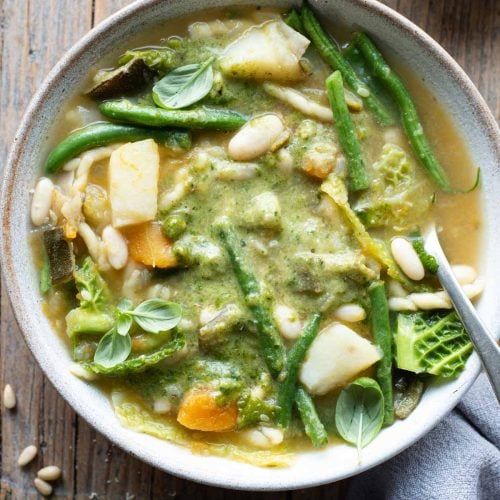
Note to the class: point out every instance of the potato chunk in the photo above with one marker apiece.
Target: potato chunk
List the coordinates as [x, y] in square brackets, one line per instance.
[335, 357]
[270, 51]
[133, 183]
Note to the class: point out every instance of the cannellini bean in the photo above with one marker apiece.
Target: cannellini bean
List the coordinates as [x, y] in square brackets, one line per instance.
[429, 300]
[27, 455]
[162, 405]
[260, 135]
[82, 373]
[44, 488]
[116, 247]
[401, 304]
[350, 313]
[287, 321]
[464, 274]
[396, 289]
[472, 290]
[407, 258]
[263, 437]
[42, 199]
[49, 473]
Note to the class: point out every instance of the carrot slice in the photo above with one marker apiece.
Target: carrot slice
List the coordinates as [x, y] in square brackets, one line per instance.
[147, 244]
[199, 411]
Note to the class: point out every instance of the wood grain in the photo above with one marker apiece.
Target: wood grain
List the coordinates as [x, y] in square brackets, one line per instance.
[33, 35]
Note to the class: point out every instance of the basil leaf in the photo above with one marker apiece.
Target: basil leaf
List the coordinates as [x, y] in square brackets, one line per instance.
[359, 413]
[124, 305]
[184, 85]
[112, 349]
[157, 315]
[123, 323]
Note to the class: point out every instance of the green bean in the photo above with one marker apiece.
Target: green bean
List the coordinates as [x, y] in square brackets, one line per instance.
[286, 393]
[332, 55]
[381, 331]
[358, 178]
[150, 116]
[270, 341]
[312, 424]
[407, 109]
[101, 134]
[294, 21]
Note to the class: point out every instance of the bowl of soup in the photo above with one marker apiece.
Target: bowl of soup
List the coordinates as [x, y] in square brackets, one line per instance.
[213, 235]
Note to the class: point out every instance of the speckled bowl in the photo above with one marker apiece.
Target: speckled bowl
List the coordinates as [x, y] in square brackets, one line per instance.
[396, 34]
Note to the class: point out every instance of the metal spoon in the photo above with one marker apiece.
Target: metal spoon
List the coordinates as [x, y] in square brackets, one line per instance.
[486, 346]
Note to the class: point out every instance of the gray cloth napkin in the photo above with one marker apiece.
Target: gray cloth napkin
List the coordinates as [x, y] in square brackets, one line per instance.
[458, 460]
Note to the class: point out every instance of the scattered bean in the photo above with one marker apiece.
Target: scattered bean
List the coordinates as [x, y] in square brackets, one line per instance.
[263, 437]
[27, 455]
[44, 488]
[429, 300]
[9, 397]
[42, 199]
[49, 473]
[407, 259]
[350, 313]
[401, 304]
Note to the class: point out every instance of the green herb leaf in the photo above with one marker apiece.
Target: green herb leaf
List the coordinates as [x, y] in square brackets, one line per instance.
[184, 85]
[359, 413]
[123, 323]
[125, 305]
[93, 290]
[112, 349]
[157, 315]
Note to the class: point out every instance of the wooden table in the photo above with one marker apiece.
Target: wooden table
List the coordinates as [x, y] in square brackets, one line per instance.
[33, 35]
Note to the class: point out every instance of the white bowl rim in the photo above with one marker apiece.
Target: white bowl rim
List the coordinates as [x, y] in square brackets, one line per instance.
[14, 286]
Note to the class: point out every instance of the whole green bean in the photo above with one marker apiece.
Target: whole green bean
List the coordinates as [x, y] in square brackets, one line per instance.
[332, 55]
[381, 331]
[150, 116]
[358, 177]
[312, 424]
[286, 392]
[270, 341]
[102, 133]
[407, 109]
[294, 21]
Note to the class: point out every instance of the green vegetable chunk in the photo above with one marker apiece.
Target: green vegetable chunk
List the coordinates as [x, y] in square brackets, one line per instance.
[407, 393]
[200, 118]
[271, 344]
[382, 335]
[253, 410]
[286, 393]
[60, 255]
[432, 342]
[45, 279]
[408, 111]
[358, 177]
[332, 55]
[428, 261]
[294, 21]
[312, 424]
[101, 134]
[359, 413]
[184, 86]
[160, 59]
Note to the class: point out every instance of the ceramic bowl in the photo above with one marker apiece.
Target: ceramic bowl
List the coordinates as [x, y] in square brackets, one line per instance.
[397, 36]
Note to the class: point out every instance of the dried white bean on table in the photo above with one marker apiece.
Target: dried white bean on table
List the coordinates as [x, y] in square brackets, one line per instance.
[9, 397]
[27, 455]
[407, 258]
[49, 473]
[44, 488]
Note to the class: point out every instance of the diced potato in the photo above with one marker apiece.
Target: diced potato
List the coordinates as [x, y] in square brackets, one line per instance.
[199, 411]
[335, 357]
[133, 182]
[271, 51]
[147, 244]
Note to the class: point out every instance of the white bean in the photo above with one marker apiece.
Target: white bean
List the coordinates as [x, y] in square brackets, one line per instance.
[49, 473]
[116, 247]
[472, 290]
[287, 321]
[27, 455]
[263, 437]
[464, 274]
[162, 406]
[82, 373]
[44, 488]
[401, 304]
[429, 300]
[256, 138]
[407, 258]
[42, 199]
[9, 397]
[350, 313]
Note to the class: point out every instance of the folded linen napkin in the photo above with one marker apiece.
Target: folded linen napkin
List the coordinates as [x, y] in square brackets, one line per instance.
[458, 460]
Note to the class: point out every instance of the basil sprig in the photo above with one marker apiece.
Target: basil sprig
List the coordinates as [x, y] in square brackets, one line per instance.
[184, 85]
[359, 413]
[153, 316]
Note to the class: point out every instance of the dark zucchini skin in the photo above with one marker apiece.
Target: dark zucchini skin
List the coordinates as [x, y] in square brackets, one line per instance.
[103, 133]
[60, 255]
[126, 79]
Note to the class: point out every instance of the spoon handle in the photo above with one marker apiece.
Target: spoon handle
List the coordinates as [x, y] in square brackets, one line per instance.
[486, 346]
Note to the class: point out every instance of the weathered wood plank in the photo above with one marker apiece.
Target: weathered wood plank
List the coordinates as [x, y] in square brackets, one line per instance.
[33, 35]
